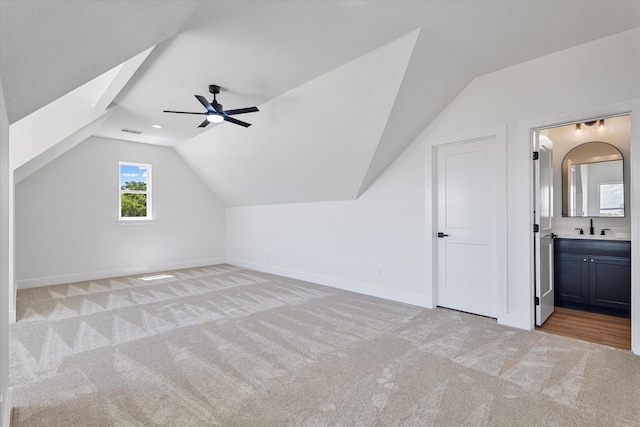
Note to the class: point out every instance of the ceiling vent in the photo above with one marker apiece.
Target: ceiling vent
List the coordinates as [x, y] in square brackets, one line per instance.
[137, 132]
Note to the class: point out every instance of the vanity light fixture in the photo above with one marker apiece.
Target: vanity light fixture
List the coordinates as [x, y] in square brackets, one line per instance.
[600, 126]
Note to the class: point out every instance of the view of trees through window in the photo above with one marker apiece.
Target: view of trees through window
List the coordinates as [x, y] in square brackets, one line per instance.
[135, 190]
[133, 204]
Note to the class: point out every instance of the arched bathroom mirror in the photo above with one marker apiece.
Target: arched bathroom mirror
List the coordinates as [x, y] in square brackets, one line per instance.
[592, 181]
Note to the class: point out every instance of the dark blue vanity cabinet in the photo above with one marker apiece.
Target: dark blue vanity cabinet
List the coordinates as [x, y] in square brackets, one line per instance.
[593, 275]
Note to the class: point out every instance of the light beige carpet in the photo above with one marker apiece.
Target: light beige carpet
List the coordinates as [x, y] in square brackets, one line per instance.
[226, 346]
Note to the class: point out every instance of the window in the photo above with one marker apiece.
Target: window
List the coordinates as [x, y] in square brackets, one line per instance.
[135, 191]
[611, 199]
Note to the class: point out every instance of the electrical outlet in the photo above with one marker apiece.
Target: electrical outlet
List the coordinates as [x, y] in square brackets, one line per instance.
[379, 272]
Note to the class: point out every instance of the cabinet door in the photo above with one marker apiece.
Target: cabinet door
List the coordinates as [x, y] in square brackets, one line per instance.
[610, 282]
[571, 279]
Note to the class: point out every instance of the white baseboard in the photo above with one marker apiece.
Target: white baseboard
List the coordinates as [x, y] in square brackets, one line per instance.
[108, 274]
[419, 300]
[514, 320]
[7, 406]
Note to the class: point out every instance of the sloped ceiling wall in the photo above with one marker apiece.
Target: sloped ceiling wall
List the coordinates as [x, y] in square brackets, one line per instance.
[329, 139]
[49, 48]
[329, 124]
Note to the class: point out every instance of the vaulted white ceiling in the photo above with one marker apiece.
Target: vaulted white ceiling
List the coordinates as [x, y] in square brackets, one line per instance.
[343, 86]
[50, 47]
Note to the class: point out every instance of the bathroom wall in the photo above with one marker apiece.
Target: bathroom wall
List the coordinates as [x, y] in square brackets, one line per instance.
[616, 133]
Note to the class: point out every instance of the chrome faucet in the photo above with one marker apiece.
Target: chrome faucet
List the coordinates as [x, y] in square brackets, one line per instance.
[591, 232]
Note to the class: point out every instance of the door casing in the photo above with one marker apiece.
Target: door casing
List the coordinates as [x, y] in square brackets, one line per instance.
[523, 134]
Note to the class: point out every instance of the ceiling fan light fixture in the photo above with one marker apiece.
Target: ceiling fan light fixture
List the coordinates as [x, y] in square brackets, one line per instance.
[215, 112]
[215, 118]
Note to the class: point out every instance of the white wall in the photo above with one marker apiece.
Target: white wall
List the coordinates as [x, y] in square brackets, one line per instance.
[6, 291]
[561, 85]
[66, 217]
[344, 244]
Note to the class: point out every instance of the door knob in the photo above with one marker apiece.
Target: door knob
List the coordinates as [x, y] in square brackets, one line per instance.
[442, 235]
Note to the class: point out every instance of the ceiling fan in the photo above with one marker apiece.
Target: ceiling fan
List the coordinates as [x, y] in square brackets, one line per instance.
[215, 113]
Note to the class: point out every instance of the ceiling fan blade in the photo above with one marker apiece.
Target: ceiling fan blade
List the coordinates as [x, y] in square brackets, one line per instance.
[206, 104]
[236, 121]
[181, 112]
[204, 124]
[241, 111]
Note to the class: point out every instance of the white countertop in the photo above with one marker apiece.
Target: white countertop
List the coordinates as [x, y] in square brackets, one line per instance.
[612, 236]
[612, 232]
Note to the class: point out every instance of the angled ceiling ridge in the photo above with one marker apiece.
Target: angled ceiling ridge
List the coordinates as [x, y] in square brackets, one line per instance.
[433, 78]
[120, 76]
[51, 153]
[412, 39]
[67, 115]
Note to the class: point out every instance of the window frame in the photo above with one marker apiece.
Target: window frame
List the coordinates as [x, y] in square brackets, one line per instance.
[601, 209]
[148, 193]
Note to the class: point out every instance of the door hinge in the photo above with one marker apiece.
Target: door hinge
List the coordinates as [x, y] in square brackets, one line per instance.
[536, 155]
[536, 228]
[537, 300]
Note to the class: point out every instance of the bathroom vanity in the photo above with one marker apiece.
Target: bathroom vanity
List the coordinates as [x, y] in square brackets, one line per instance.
[593, 275]
[592, 269]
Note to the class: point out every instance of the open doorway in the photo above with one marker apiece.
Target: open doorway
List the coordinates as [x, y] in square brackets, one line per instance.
[582, 229]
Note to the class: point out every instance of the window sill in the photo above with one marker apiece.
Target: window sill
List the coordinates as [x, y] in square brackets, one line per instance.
[132, 221]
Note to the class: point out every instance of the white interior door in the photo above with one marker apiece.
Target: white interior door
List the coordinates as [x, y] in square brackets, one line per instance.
[466, 226]
[543, 216]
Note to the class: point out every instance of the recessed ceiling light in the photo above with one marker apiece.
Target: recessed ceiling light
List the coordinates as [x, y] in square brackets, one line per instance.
[156, 126]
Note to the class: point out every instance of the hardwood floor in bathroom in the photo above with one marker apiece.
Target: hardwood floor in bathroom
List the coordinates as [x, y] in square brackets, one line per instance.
[599, 328]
